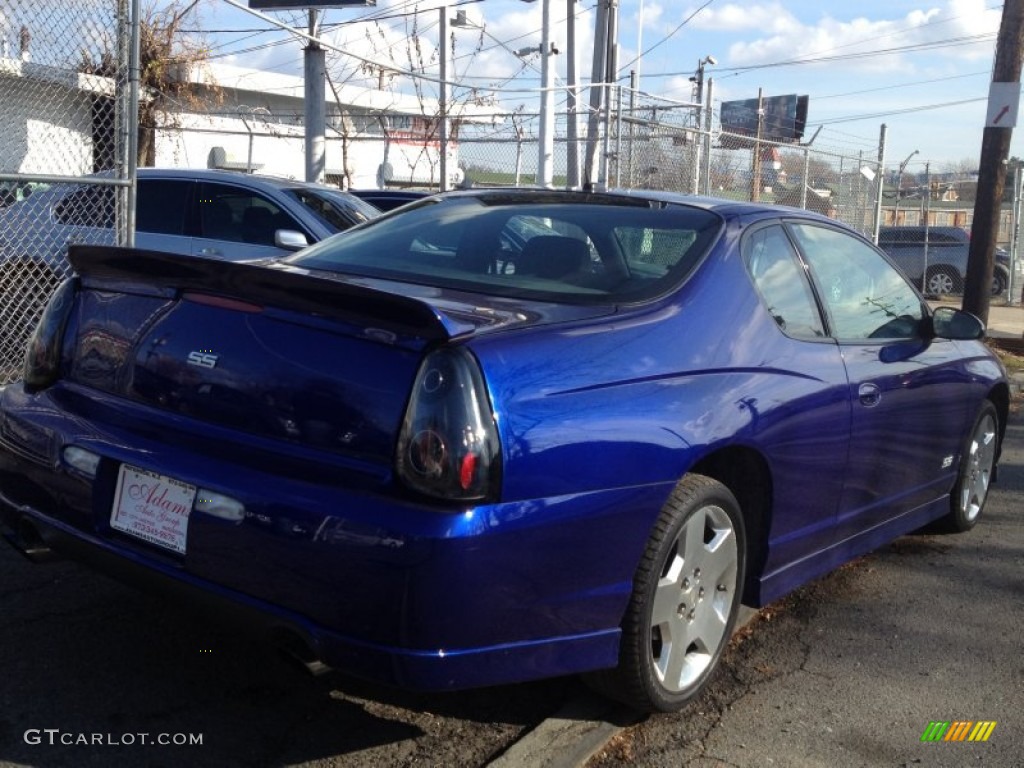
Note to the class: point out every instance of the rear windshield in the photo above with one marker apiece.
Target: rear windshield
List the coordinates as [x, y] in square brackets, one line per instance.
[574, 252]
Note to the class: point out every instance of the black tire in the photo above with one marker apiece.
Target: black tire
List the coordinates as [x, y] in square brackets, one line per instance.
[1000, 281]
[665, 660]
[974, 476]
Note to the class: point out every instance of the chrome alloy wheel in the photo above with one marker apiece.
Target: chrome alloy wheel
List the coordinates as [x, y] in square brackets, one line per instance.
[941, 283]
[977, 467]
[693, 599]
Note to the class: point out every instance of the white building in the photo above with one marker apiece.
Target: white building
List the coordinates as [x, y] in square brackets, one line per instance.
[247, 119]
[46, 118]
[233, 117]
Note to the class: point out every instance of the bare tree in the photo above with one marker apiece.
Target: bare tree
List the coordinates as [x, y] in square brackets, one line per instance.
[418, 55]
[167, 53]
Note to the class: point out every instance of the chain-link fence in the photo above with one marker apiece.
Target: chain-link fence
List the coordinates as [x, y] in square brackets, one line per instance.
[651, 143]
[64, 76]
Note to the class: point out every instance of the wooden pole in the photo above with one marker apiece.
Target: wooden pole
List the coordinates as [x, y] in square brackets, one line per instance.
[995, 149]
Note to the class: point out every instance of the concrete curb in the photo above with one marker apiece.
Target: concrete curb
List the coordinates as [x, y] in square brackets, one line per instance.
[575, 734]
[1016, 384]
[580, 730]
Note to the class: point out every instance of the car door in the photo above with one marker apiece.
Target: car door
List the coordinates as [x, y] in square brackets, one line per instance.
[907, 421]
[238, 224]
[810, 446]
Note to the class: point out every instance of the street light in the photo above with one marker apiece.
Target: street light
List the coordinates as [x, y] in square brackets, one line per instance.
[698, 80]
[899, 188]
[546, 144]
[459, 22]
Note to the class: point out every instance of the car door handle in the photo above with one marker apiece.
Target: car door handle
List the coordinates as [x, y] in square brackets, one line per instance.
[870, 395]
[210, 251]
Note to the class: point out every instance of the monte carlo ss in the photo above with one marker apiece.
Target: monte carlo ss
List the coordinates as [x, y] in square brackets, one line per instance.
[502, 435]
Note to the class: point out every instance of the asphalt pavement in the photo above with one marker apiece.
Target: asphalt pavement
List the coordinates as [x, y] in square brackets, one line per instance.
[852, 669]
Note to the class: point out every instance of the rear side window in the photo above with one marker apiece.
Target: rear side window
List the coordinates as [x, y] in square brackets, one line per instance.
[161, 206]
[584, 251]
[91, 206]
[780, 279]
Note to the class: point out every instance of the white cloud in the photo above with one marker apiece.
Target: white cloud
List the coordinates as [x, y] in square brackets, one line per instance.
[732, 17]
[785, 37]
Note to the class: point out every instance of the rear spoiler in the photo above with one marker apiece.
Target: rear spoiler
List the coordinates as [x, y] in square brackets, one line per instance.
[273, 284]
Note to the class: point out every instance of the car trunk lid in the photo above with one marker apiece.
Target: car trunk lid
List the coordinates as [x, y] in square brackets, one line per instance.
[272, 350]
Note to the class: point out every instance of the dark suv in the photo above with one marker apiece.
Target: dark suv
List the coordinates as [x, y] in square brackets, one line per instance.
[945, 257]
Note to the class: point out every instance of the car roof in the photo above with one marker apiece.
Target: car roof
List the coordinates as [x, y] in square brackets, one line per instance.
[397, 193]
[233, 177]
[721, 206]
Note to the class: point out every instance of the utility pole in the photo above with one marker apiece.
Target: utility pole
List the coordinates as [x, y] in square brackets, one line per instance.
[597, 76]
[755, 161]
[442, 101]
[314, 59]
[1004, 94]
[572, 158]
[546, 142]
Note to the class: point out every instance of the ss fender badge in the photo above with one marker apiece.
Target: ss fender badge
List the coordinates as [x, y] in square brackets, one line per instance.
[202, 358]
[947, 462]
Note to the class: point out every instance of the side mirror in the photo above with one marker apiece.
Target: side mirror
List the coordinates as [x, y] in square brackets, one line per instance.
[950, 323]
[290, 240]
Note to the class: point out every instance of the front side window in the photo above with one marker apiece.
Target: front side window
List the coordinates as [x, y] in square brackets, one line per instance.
[238, 215]
[864, 295]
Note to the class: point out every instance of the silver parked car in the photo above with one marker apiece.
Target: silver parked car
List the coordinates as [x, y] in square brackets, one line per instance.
[204, 213]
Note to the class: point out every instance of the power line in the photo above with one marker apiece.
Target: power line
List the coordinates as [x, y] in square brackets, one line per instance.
[952, 42]
[907, 110]
[903, 85]
[667, 37]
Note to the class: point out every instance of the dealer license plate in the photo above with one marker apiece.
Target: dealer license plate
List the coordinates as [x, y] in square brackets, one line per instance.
[152, 507]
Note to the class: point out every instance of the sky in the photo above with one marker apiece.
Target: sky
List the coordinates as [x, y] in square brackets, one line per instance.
[921, 68]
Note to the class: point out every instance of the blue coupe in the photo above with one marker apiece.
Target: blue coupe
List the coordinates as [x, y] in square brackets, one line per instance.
[503, 434]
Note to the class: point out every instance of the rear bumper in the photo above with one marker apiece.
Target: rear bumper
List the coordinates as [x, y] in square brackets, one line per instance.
[375, 586]
[439, 669]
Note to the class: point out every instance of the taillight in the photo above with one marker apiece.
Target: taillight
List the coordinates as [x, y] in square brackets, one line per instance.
[42, 355]
[448, 447]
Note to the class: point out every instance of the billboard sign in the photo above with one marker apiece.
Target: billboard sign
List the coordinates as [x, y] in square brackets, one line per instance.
[784, 117]
[300, 5]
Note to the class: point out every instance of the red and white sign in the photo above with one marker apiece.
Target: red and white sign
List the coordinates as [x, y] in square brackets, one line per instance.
[1003, 102]
[152, 507]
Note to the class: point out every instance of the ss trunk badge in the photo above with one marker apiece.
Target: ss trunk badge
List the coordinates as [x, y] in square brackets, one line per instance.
[202, 358]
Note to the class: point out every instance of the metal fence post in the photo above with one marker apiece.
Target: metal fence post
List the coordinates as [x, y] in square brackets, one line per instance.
[130, 168]
[880, 182]
[706, 138]
[1018, 193]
